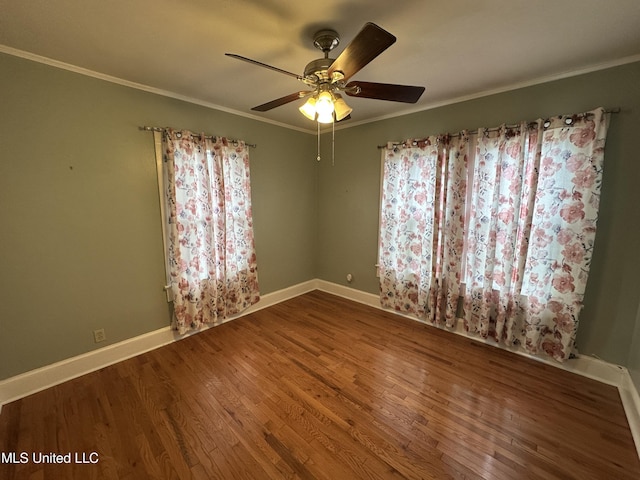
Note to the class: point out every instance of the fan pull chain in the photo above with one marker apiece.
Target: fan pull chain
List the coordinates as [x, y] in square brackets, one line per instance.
[333, 143]
[318, 157]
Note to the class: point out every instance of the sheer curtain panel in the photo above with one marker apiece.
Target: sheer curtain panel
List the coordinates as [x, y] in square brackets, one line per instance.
[211, 252]
[515, 247]
[422, 227]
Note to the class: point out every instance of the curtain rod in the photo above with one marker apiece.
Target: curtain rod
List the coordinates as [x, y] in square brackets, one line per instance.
[210, 137]
[472, 132]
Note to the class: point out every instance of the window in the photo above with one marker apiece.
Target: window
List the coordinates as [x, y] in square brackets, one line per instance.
[208, 227]
[503, 221]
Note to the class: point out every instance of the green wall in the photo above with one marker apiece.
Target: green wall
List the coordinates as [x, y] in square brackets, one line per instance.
[81, 239]
[349, 194]
[80, 235]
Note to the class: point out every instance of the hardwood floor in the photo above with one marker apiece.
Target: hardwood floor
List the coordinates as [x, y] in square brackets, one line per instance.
[319, 387]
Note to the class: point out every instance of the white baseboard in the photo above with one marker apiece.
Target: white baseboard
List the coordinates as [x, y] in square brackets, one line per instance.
[586, 366]
[39, 379]
[31, 382]
[583, 365]
[631, 402]
[349, 293]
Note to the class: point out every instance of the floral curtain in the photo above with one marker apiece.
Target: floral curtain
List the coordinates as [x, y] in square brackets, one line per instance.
[421, 226]
[212, 260]
[500, 209]
[563, 230]
[516, 245]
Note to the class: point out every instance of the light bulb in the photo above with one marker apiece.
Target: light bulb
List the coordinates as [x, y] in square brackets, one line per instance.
[324, 105]
[325, 117]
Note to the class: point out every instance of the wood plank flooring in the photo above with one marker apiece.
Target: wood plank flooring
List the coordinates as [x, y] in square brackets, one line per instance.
[319, 387]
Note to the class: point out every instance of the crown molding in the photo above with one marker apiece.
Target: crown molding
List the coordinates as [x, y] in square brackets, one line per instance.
[166, 93]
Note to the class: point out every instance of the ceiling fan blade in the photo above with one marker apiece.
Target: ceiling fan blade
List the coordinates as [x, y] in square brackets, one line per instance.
[384, 91]
[282, 101]
[370, 42]
[260, 64]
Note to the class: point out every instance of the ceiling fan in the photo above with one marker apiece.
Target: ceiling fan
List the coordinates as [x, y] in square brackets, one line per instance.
[328, 77]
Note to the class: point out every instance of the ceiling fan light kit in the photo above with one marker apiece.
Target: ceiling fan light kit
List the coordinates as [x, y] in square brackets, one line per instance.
[325, 107]
[328, 77]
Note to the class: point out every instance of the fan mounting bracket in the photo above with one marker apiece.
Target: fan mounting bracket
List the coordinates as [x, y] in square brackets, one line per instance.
[326, 40]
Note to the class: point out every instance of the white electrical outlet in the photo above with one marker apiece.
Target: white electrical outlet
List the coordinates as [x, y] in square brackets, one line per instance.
[99, 335]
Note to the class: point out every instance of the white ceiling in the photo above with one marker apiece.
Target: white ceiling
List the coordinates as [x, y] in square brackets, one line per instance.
[456, 48]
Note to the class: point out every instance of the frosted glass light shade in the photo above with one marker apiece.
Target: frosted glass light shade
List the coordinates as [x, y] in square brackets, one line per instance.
[341, 108]
[309, 109]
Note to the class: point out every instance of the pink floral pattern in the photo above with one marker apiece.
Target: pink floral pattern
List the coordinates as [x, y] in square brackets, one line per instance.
[517, 249]
[500, 230]
[212, 258]
[566, 207]
[422, 225]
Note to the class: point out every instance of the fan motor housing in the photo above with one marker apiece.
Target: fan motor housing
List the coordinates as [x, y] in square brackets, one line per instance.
[325, 40]
[319, 68]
